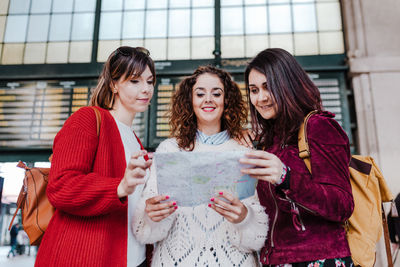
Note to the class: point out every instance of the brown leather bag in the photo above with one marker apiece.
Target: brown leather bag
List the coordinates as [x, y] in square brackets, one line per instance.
[36, 210]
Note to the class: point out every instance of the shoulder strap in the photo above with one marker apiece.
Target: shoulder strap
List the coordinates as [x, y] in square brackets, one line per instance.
[304, 150]
[22, 194]
[98, 122]
[387, 238]
[98, 119]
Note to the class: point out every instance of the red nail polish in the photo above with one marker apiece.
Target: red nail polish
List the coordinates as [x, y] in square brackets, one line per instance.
[212, 199]
[221, 193]
[209, 205]
[175, 207]
[166, 197]
[174, 203]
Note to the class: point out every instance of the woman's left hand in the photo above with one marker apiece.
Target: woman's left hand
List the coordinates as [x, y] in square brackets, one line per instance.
[233, 210]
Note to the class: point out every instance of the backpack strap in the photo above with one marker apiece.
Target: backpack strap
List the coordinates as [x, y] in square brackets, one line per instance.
[98, 119]
[98, 123]
[304, 149]
[387, 238]
[22, 194]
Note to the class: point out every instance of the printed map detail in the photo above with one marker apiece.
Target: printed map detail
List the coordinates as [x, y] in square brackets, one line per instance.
[192, 178]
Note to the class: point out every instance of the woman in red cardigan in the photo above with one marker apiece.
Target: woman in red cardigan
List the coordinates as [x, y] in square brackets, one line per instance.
[94, 178]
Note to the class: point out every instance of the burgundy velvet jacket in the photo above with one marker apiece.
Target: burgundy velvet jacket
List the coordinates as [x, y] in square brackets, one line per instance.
[306, 220]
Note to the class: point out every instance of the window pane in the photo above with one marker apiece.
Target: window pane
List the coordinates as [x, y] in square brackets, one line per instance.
[40, 6]
[304, 18]
[329, 16]
[179, 23]
[178, 48]
[255, 44]
[179, 3]
[80, 52]
[60, 27]
[232, 46]
[133, 43]
[156, 23]
[105, 49]
[157, 48]
[12, 53]
[57, 53]
[278, 1]
[203, 22]
[133, 26]
[82, 27]
[2, 27]
[232, 20]
[137, 4]
[157, 3]
[38, 28]
[62, 6]
[303, 1]
[256, 20]
[110, 26]
[19, 7]
[280, 19]
[305, 44]
[284, 41]
[4, 7]
[16, 29]
[231, 2]
[86, 6]
[331, 43]
[202, 47]
[203, 3]
[252, 2]
[35, 53]
[111, 5]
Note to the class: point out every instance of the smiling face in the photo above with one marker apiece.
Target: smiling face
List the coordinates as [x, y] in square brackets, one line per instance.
[134, 95]
[260, 95]
[208, 102]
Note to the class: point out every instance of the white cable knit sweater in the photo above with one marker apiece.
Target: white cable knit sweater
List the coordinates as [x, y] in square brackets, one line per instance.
[199, 236]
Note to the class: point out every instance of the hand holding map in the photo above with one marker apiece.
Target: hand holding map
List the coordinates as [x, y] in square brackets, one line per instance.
[192, 178]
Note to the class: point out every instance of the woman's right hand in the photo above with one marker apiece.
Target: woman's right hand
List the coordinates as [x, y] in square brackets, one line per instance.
[134, 174]
[263, 166]
[158, 211]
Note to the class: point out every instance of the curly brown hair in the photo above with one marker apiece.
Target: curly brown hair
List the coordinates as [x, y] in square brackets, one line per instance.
[183, 121]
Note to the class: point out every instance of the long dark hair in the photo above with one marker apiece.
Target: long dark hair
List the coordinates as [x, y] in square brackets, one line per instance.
[183, 121]
[293, 91]
[127, 62]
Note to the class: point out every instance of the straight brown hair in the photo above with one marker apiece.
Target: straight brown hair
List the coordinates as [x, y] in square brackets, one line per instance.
[126, 62]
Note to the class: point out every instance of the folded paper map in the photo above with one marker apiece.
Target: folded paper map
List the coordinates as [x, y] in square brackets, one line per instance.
[192, 178]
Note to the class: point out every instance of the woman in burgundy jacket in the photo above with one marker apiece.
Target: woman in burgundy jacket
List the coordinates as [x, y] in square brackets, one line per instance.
[307, 211]
[94, 176]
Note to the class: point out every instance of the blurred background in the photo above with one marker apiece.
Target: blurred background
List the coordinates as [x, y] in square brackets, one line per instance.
[52, 51]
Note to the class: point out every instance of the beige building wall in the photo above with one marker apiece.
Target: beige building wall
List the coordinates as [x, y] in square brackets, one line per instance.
[372, 32]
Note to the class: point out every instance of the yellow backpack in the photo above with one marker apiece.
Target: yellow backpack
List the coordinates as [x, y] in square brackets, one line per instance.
[369, 188]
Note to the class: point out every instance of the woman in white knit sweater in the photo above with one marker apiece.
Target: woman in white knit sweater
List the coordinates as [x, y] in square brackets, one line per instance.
[207, 112]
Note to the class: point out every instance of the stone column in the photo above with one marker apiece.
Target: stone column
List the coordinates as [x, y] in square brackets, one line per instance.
[372, 33]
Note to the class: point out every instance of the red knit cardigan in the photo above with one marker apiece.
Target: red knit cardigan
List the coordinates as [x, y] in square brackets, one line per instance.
[89, 227]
